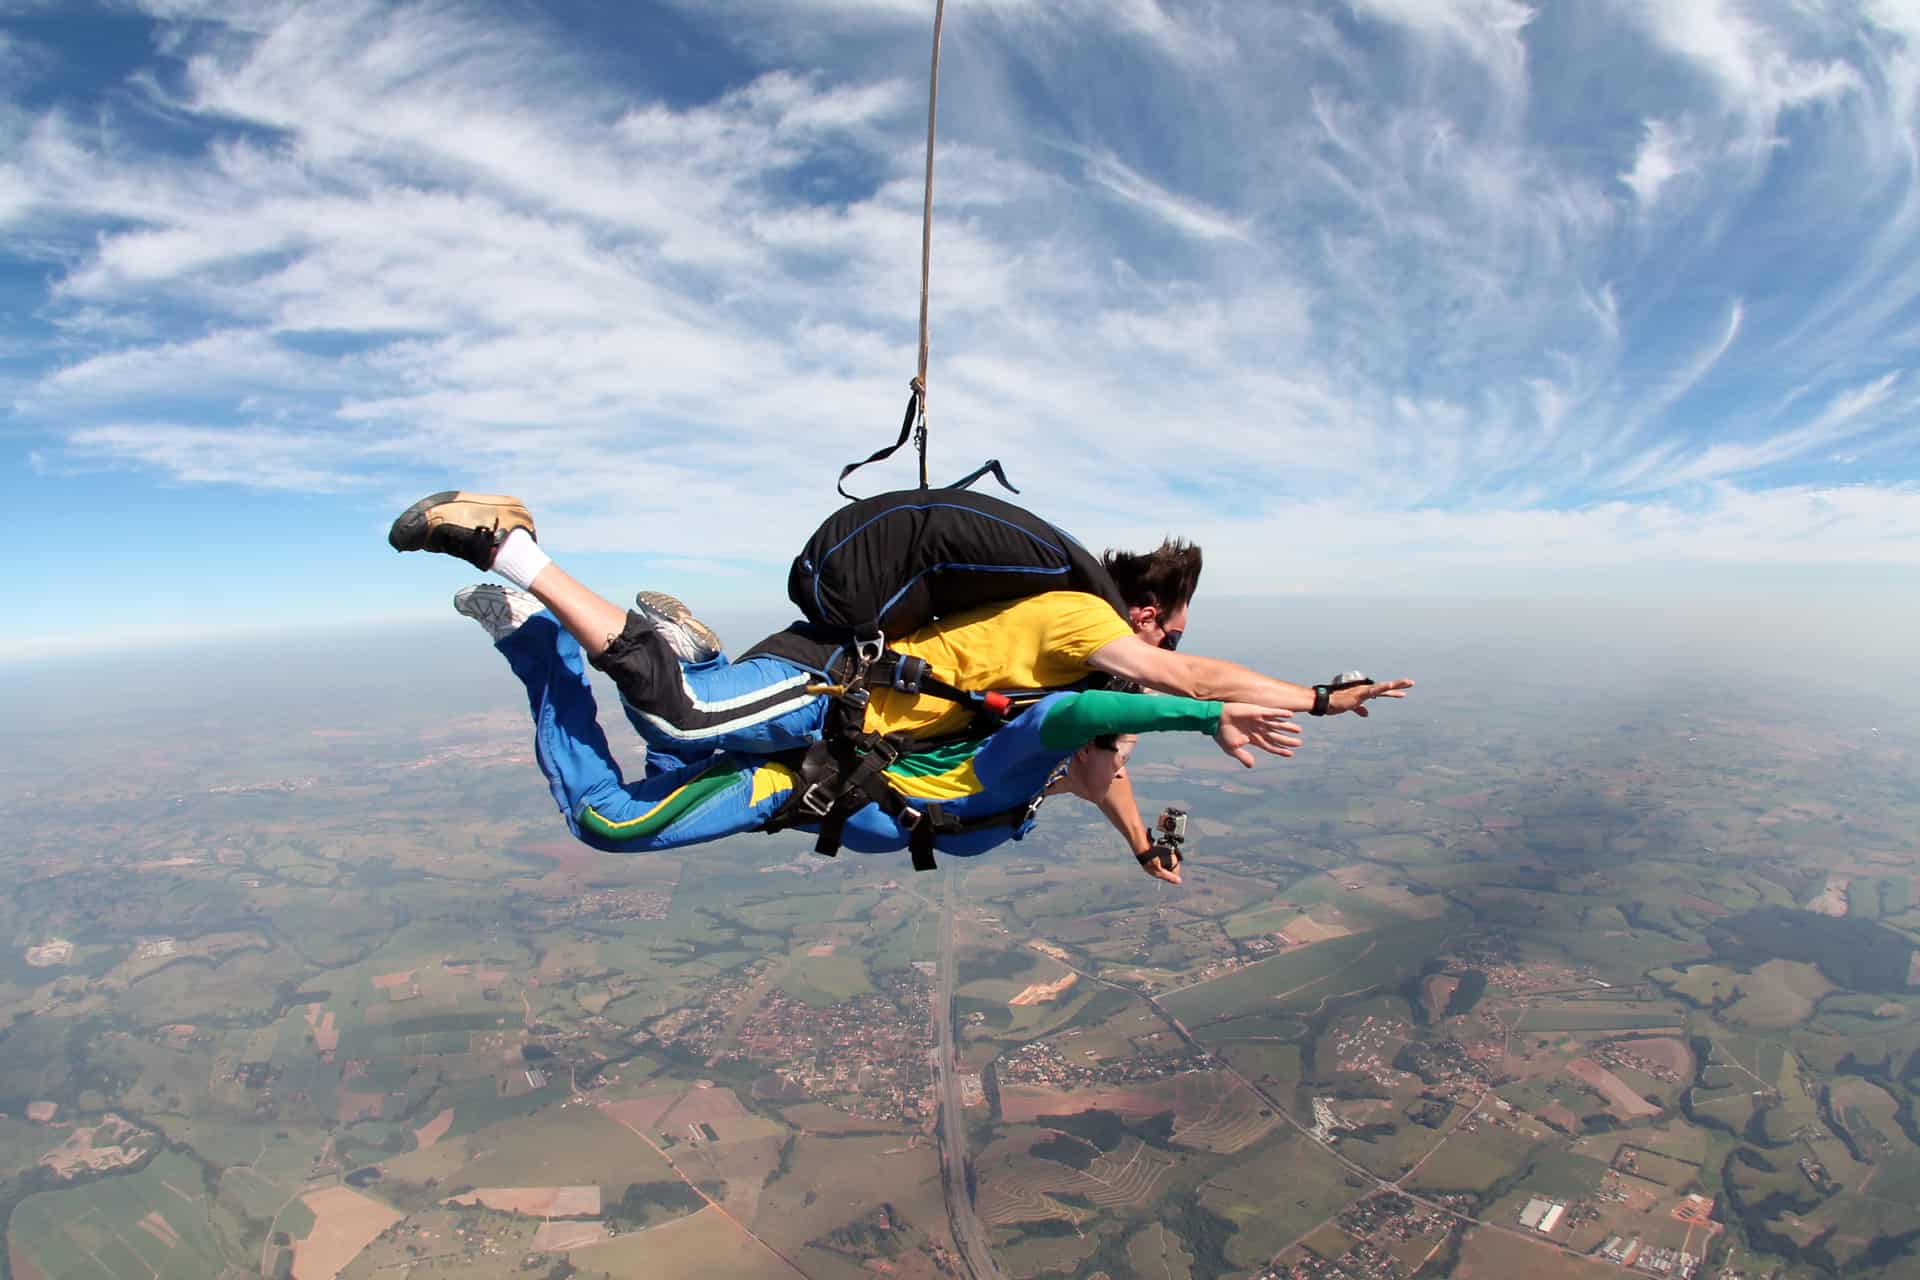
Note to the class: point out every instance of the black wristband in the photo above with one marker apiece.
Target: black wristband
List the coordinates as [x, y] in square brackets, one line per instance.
[1322, 695]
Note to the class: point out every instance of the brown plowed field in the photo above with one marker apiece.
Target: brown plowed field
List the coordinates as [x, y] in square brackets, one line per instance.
[536, 1202]
[557, 1237]
[1668, 1052]
[345, 1222]
[22, 1268]
[435, 1129]
[326, 1036]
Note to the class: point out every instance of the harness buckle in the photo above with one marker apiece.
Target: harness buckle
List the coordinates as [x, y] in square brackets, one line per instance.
[1033, 809]
[911, 818]
[908, 673]
[815, 801]
[868, 651]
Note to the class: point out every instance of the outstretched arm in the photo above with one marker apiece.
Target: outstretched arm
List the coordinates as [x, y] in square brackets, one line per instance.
[1193, 676]
[1116, 801]
[1100, 776]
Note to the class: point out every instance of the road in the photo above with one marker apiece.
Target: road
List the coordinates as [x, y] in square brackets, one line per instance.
[969, 1233]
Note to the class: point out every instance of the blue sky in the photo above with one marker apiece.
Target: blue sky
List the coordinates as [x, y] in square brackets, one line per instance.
[1371, 296]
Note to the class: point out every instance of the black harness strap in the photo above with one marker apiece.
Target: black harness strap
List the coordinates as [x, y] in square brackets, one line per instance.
[906, 430]
[990, 467]
[831, 790]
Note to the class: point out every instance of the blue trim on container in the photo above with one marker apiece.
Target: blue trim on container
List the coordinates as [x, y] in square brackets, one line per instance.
[987, 568]
[929, 506]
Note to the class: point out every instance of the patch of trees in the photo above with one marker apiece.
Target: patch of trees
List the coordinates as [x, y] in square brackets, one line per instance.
[880, 1232]
[650, 1201]
[1473, 985]
[1855, 953]
[1206, 1235]
[1756, 1214]
[1105, 1129]
[1048, 1229]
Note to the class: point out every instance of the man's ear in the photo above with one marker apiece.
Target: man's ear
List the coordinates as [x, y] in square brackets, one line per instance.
[1140, 615]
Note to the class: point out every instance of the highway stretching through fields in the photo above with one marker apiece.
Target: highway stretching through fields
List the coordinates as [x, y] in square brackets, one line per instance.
[969, 1233]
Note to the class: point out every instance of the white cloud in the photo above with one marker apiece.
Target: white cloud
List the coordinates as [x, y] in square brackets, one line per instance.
[1488, 31]
[1185, 216]
[1660, 159]
[1303, 263]
[1848, 414]
[261, 457]
[1751, 63]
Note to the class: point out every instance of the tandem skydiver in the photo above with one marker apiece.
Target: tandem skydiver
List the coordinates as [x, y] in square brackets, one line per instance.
[961, 798]
[761, 702]
[686, 701]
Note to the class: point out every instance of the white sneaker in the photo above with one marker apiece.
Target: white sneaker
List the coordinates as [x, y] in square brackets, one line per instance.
[500, 609]
[691, 639]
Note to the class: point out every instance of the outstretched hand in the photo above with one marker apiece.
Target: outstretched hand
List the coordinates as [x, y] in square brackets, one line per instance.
[1356, 698]
[1243, 725]
[1162, 862]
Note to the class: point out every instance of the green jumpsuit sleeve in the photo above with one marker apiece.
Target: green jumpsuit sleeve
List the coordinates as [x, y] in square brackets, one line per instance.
[1075, 719]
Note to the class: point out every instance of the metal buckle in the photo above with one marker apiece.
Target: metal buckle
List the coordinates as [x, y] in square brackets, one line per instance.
[911, 818]
[908, 673]
[1033, 809]
[869, 651]
[814, 803]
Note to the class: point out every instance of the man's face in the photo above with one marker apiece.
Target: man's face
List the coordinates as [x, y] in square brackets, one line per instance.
[1154, 627]
[1093, 768]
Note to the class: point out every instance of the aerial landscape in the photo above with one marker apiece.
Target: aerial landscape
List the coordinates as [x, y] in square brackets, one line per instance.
[1509, 1000]
[1522, 393]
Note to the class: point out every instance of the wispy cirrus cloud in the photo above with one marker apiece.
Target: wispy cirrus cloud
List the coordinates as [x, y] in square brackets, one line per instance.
[1354, 264]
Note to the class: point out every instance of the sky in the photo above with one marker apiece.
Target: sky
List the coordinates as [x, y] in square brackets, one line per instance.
[1380, 297]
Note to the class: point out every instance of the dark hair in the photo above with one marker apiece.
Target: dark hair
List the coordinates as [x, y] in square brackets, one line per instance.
[1166, 576]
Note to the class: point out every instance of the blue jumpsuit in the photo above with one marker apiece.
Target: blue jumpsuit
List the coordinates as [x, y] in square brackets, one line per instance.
[726, 794]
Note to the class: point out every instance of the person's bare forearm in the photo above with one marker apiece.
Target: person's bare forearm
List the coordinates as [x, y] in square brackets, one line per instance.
[1217, 680]
[1123, 811]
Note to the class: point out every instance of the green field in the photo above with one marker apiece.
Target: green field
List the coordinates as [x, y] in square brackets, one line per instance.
[150, 1223]
[1306, 979]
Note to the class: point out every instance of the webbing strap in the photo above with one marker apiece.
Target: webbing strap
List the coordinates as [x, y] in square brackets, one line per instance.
[990, 466]
[906, 430]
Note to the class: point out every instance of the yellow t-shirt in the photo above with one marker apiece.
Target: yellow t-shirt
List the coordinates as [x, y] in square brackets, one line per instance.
[1040, 642]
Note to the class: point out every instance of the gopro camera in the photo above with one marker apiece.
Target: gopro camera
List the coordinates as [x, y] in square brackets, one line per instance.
[1172, 826]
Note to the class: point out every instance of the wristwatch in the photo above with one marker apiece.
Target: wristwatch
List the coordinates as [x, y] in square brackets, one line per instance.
[1323, 693]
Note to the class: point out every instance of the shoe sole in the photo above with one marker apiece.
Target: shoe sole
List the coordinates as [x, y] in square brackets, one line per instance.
[410, 527]
[409, 531]
[671, 608]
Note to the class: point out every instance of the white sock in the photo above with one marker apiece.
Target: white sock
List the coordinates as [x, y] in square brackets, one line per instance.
[520, 560]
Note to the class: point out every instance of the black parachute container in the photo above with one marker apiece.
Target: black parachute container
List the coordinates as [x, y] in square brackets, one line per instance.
[896, 561]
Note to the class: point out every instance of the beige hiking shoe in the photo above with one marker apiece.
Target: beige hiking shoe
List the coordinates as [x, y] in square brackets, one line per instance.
[457, 523]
